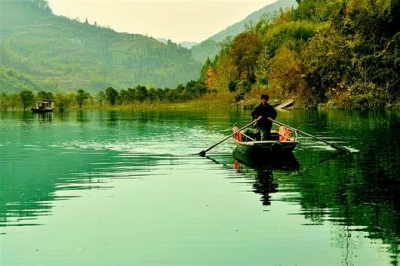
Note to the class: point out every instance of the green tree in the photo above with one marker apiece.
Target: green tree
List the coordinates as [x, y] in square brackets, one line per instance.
[123, 96]
[171, 95]
[262, 69]
[27, 98]
[131, 95]
[4, 103]
[285, 71]
[327, 65]
[141, 93]
[100, 97]
[371, 32]
[225, 71]
[15, 101]
[62, 100]
[152, 95]
[44, 95]
[161, 94]
[195, 89]
[244, 51]
[81, 97]
[111, 95]
[204, 69]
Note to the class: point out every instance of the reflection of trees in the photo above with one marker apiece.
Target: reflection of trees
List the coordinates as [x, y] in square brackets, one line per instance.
[29, 187]
[40, 159]
[377, 186]
[359, 191]
[23, 200]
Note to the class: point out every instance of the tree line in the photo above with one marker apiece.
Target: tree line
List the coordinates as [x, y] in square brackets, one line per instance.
[109, 97]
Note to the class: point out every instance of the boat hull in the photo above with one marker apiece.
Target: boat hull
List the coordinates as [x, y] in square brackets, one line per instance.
[40, 110]
[273, 147]
[265, 159]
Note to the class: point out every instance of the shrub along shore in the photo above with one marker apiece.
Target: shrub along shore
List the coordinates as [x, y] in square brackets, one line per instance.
[82, 100]
[136, 99]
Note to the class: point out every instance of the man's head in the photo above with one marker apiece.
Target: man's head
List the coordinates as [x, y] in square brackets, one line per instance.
[264, 98]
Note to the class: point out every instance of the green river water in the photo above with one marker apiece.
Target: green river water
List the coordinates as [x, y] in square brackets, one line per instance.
[127, 188]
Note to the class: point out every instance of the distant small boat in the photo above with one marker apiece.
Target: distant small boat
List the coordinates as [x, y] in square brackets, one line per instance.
[43, 106]
[282, 141]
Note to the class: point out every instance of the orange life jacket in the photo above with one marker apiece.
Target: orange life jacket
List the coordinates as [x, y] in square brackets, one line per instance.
[284, 133]
[238, 135]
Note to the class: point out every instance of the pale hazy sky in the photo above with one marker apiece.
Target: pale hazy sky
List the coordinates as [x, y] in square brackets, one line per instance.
[184, 20]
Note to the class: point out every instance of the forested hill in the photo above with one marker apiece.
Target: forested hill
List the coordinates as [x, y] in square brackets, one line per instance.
[326, 53]
[42, 51]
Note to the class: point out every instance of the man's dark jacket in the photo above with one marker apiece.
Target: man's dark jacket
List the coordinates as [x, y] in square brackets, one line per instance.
[265, 111]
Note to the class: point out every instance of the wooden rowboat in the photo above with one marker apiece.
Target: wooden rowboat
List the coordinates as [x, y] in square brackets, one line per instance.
[283, 140]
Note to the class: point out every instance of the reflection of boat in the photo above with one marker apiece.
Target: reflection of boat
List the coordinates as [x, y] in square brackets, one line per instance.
[263, 181]
[44, 116]
[262, 166]
[257, 160]
[43, 106]
[264, 185]
[282, 141]
[259, 170]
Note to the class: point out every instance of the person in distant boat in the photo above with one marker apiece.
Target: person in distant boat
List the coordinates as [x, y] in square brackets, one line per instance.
[264, 112]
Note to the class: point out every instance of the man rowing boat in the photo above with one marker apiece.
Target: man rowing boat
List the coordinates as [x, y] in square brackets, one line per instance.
[263, 113]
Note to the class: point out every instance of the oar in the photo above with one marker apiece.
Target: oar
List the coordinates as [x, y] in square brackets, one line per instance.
[338, 147]
[203, 153]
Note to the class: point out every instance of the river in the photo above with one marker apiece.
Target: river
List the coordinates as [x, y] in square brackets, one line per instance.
[128, 188]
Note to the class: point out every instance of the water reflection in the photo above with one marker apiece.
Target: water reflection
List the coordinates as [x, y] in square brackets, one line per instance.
[263, 166]
[81, 117]
[278, 161]
[42, 117]
[351, 193]
[45, 159]
[264, 184]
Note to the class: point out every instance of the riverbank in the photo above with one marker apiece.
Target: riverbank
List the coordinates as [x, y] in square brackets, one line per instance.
[227, 100]
[212, 101]
[209, 101]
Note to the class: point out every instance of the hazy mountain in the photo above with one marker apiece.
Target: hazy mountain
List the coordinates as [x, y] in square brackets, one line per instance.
[211, 46]
[53, 52]
[188, 45]
[42, 51]
[184, 44]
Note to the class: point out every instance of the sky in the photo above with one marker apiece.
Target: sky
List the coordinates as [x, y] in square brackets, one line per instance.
[179, 20]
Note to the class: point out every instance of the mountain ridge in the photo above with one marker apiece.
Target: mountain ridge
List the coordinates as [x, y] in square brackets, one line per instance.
[69, 55]
[209, 48]
[50, 52]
